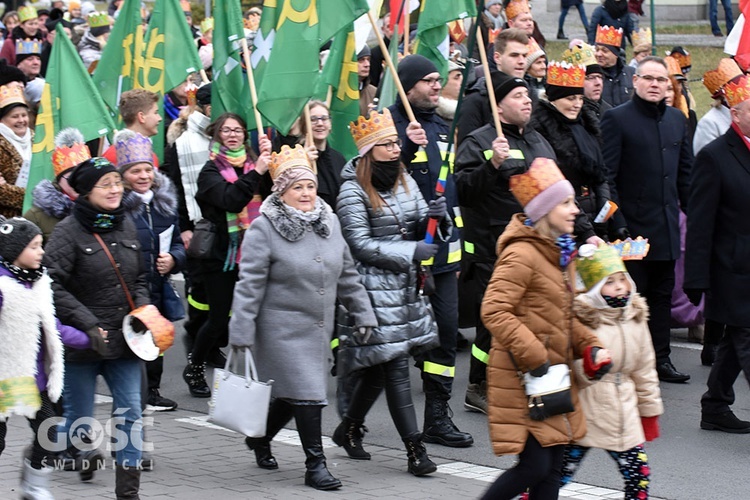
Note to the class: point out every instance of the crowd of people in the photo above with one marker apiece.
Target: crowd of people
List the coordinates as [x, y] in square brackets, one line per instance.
[534, 238]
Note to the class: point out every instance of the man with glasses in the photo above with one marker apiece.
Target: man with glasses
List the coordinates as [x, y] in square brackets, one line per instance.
[649, 156]
[423, 153]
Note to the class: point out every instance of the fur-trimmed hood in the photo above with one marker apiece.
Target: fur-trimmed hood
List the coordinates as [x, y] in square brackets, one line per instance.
[196, 122]
[446, 108]
[290, 227]
[51, 200]
[592, 316]
[164, 201]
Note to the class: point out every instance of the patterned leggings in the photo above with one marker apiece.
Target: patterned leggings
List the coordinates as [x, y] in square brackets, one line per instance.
[633, 465]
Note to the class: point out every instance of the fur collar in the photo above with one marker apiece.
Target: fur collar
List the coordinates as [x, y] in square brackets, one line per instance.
[51, 201]
[447, 108]
[165, 197]
[593, 317]
[292, 228]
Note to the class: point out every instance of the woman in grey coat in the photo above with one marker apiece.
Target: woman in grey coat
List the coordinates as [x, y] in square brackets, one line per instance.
[294, 264]
[384, 218]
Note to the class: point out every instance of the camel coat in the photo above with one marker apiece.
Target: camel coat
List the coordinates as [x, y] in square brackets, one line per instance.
[528, 310]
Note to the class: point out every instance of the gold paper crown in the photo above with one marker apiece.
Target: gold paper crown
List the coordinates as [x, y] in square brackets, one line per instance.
[595, 264]
[11, 94]
[26, 13]
[67, 157]
[191, 90]
[542, 174]
[516, 7]
[641, 37]
[608, 35]
[736, 91]
[563, 74]
[684, 60]
[580, 54]
[288, 158]
[673, 67]
[207, 24]
[715, 79]
[28, 46]
[98, 20]
[367, 132]
[186, 7]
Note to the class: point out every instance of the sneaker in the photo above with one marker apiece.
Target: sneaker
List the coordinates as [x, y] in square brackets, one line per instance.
[725, 422]
[156, 402]
[476, 398]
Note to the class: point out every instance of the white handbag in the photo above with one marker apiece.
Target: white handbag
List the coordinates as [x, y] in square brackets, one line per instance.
[240, 403]
[549, 394]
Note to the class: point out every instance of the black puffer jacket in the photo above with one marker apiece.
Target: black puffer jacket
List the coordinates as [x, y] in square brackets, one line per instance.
[87, 291]
[580, 159]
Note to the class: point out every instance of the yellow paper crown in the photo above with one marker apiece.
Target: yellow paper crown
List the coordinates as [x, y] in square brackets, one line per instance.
[98, 20]
[595, 264]
[288, 158]
[608, 35]
[516, 7]
[367, 132]
[542, 174]
[563, 74]
[641, 37]
[736, 91]
[67, 157]
[673, 67]
[11, 94]
[684, 60]
[28, 46]
[207, 24]
[715, 79]
[26, 13]
[191, 90]
[580, 54]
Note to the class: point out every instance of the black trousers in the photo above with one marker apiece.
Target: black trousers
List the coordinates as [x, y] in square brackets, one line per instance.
[732, 358]
[214, 332]
[655, 282]
[477, 276]
[38, 452]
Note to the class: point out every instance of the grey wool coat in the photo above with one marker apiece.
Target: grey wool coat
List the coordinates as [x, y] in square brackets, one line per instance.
[385, 258]
[284, 302]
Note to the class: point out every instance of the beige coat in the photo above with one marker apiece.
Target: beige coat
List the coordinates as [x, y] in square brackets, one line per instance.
[528, 309]
[614, 405]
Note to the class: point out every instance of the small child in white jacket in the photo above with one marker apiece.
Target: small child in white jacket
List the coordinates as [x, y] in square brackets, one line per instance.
[621, 409]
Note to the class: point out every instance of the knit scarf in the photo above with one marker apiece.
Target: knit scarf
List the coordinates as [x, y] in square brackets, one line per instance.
[565, 243]
[226, 160]
[95, 220]
[498, 20]
[170, 108]
[616, 301]
[21, 274]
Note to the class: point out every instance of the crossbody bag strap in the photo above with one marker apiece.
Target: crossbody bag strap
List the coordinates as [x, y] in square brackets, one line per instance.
[117, 271]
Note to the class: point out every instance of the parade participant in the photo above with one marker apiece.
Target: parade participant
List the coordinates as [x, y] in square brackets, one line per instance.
[518, 14]
[139, 109]
[528, 310]
[536, 68]
[678, 99]
[175, 101]
[272, 305]
[618, 77]
[423, 154]
[15, 149]
[684, 61]
[579, 52]
[55, 18]
[491, 22]
[28, 28]
[367, 91]
[187, 9]
[92, 43]
[10, 21]
[448, 100]
[614, 15]
[484, 164]
[565, 5]
[206, 43]
[641, 45]
[229, 195]
[383, 217]
[29, 61]
[622, 409]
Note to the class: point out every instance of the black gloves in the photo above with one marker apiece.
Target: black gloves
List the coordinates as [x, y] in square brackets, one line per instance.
[622, 233]
[425, 250]
[437, 208]
[694, 295]
[98, 343]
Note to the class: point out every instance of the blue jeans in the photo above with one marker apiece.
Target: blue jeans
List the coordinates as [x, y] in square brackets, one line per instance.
[123, 376]
[581, 12]
[713, 13]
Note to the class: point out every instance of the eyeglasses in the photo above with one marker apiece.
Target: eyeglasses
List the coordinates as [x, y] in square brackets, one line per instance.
[651, 78]
[108, 186]
[432, 81]
[391, 144]
[232, 131]
[321, 119]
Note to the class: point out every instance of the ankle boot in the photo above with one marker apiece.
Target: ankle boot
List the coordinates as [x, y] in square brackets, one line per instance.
[561, 35]
[87, 462]
[419, 463]
[349, 434]
[279, 414]
[35, 482]
[127, 483]
[308, 425]
[439, 428]
[194, 376]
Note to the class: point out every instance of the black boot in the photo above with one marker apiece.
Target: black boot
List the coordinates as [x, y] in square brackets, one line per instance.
[439, 428]
[349, 434]
[194, 376]
[419, 463]
[88, 462]
[127, 483]
[308, 425]
[561, 35]
[279, 415]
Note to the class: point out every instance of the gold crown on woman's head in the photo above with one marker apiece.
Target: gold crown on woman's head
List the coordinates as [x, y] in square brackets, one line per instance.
[563, 74]
[288, 158]
[11, 94]
[26, 13]
[369, 131]
[641, 37]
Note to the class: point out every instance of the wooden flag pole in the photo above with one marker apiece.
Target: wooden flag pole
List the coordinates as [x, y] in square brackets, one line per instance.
[488, 83]
[309, 141]
[405, 13]
[251, 82]
[204, 76]
[389, 62]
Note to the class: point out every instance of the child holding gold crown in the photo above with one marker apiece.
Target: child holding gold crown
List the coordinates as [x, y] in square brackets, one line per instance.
[621, 409]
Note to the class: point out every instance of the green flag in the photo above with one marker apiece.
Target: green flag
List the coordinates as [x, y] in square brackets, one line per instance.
[432, 29]
[69, 99]
[388, 90]
[122, 57]
[230, 90]
[167, 34]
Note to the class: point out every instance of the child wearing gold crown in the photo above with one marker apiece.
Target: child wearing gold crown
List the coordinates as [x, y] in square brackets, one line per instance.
[621, 409]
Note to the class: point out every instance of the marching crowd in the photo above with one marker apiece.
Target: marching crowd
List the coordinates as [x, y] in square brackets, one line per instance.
[584, 212]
